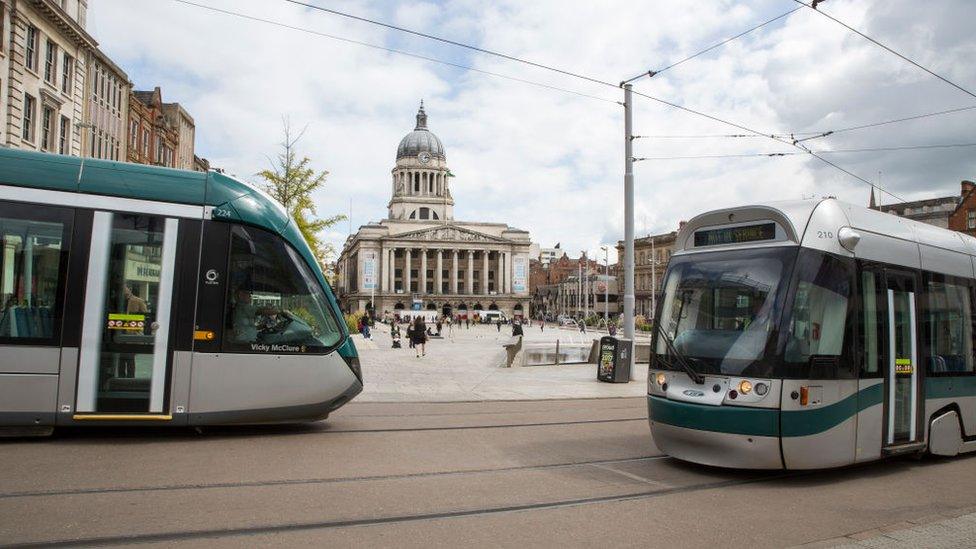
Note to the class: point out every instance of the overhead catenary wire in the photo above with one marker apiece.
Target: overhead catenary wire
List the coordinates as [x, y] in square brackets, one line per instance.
[890, 50]
[716, 45]
[393, 50]
[797, 153]
[813, 133]
[452, 42]
[792, 143]
[523, 61]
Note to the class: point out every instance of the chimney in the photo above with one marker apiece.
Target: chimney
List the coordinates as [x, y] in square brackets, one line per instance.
[681, 224]
[966, 186]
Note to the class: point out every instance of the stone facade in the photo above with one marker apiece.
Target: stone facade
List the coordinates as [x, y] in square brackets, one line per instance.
[177, 117]
[421, 257]
[651, 255]
[106, 109]
[43, 66]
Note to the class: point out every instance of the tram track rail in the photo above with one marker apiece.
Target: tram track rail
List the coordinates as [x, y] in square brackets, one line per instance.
[319, 480]
[281, 528]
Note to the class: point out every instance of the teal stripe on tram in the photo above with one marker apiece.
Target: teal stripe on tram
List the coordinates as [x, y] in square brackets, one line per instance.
[763, 422]
[803, 423]
[738, 420]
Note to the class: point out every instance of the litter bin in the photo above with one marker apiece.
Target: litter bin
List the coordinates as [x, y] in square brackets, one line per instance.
[613, 365]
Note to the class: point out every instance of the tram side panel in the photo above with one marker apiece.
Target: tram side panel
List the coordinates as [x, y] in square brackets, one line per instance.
[32, 282]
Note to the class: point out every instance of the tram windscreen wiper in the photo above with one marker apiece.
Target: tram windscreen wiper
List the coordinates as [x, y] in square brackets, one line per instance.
[680, 358]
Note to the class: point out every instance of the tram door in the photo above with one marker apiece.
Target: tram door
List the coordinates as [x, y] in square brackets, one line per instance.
[902, 395]
[125, 335]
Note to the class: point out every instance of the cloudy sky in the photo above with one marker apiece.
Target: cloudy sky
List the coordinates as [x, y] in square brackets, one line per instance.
[550, 161]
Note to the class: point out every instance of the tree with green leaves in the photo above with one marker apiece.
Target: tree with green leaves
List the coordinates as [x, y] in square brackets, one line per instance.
[291, 181]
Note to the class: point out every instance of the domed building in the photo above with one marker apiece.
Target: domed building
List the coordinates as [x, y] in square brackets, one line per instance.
[420, 258]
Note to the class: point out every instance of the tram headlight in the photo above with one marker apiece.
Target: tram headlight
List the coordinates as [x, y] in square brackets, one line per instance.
[745, 386]
[761, 389]
[661, 378]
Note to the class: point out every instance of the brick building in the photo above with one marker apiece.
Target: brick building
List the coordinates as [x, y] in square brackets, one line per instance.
[153, 138]
[963, 217]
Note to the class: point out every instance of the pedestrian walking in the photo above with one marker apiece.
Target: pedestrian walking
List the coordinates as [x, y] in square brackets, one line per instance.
[499, 324]
[582, 326]
[410, 334]
[419, 337]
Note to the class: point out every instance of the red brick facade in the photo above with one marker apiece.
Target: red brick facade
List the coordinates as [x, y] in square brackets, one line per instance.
[963, 219]
[557, 271]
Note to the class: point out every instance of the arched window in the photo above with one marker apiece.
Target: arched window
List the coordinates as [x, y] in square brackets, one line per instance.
[433, 215]
[416, 182]
[413, 214]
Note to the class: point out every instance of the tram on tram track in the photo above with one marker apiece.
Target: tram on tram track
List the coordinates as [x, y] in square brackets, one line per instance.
[813, 334]
[133, 294]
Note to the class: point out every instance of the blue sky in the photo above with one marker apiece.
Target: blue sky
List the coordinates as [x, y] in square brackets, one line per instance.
[552, 162]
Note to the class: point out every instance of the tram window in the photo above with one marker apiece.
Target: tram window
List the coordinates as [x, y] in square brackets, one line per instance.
[873, 322]
[30, 280]
[275, 304]
[948, 327]
[817, 325]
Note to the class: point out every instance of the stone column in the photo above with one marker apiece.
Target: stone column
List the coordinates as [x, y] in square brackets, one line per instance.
[392, 274]
[439, 275]
[454, 272]
[406, 271]
[469, 283]
[381, 272]
[422, 288]
[484, 272]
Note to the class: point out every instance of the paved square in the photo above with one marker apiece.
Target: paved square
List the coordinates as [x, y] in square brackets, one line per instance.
[467, 365]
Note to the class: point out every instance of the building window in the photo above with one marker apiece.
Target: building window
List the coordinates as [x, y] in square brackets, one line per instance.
[31, 56]
[66, 66]
[47, 129]
[145, 143]
[134, 135]
[63, 136]
[51, 63]
[971, 219]
[28, 123]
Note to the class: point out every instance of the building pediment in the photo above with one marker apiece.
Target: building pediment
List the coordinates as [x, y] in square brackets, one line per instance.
[448, 233]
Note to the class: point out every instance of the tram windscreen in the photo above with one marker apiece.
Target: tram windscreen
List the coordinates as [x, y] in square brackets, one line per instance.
[720, 308]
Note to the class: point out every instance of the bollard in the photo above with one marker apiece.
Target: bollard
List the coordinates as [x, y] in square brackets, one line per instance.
[557, 352]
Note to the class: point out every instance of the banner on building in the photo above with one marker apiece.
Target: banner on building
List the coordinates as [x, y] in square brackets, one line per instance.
[519, 266]
[369, 270]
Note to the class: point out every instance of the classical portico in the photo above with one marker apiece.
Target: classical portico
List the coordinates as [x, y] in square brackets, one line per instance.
[420, 256]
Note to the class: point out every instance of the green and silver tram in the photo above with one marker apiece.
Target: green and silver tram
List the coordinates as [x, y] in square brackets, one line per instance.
[814, 334]
[145, 295]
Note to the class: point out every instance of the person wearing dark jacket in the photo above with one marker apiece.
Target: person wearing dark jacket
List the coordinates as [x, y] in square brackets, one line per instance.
[419, 336]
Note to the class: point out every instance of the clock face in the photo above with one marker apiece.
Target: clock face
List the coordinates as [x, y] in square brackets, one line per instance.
[424, 157]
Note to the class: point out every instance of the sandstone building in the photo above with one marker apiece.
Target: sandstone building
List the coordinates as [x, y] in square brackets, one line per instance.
[421, 258]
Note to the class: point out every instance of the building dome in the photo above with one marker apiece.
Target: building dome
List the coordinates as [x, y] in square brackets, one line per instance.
[420, 140]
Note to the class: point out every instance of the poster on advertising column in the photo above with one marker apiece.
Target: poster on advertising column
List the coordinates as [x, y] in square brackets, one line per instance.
[518, 278]
[369, 270]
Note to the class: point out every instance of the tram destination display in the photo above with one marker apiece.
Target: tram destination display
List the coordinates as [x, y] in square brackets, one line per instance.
[735, 235]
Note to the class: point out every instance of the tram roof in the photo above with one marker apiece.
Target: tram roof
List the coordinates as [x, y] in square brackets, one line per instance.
[232, 199]
[799, 215]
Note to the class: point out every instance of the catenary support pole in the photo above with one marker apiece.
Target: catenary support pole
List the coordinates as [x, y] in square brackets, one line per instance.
[629, 223]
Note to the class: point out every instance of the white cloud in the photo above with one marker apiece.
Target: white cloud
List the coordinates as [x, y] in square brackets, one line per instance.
[552, 162]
